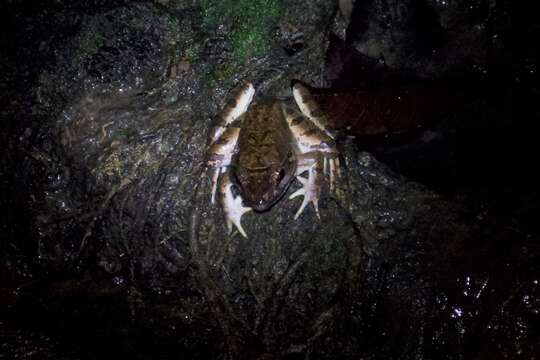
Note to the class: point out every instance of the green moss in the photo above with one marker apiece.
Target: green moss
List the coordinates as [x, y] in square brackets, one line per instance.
[251, 23]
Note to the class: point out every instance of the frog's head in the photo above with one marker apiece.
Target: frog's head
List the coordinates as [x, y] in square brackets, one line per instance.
[262, 187]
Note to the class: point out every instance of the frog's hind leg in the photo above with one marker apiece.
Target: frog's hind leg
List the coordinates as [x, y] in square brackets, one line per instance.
[225, 135]
[315, 149]
[309, 107]
[310, 139]
[316, 145]
[234, 109]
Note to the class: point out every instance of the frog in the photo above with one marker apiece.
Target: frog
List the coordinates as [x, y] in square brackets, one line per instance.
[259, 148]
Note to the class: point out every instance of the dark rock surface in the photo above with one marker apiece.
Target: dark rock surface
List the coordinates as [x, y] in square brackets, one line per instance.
[111, 248]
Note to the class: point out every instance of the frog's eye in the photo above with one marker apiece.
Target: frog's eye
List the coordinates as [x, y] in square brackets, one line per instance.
[281, 175]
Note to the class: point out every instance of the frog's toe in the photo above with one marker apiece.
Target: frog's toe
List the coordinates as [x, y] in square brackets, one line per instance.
[334, 166]
[331, 168]
[310, 192]
[215, 178]
[236, 222]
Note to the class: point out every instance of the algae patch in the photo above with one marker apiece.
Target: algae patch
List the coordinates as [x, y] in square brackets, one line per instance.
[250, 24]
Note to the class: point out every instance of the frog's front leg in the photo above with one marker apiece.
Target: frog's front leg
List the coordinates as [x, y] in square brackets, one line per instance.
[232, 206]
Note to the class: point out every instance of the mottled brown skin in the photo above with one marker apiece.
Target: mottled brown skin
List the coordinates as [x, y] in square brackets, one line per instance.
[265, 161]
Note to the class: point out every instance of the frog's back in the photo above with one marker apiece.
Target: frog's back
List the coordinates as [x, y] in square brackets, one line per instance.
[265, 137]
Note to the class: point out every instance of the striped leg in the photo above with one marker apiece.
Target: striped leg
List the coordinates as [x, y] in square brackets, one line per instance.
[235, 108]
[220, 154]
[310, 139]
[312, 111]
[225, 135]
[310, 108]
[318, 152]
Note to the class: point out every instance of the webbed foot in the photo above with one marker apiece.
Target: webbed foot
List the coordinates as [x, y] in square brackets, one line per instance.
[232, 206]
[310, 190]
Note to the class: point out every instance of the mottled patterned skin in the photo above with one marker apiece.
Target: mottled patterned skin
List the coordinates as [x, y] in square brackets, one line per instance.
[261, 148]
[266, 164]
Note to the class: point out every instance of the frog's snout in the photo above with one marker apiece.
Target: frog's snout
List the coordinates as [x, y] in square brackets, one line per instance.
[262, 201]
[260, 206]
